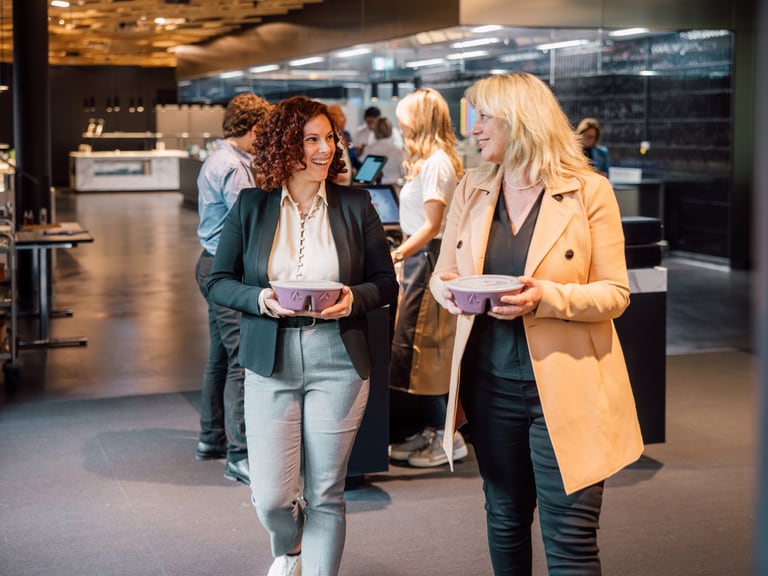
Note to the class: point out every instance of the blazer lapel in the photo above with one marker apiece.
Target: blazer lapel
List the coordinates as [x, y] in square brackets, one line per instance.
[338, 230]
[267, 234]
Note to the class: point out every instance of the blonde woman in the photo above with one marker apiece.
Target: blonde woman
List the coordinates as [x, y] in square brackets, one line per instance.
[423, 333]
[542, 376]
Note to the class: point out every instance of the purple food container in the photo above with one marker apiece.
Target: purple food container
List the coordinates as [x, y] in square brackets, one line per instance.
[476, 294]
[301, 295]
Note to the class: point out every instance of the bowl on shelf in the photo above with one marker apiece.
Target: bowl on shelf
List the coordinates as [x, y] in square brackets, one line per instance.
[476, 294]
[312, 295]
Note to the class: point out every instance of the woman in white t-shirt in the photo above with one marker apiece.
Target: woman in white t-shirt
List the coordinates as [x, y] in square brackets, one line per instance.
[423, 334]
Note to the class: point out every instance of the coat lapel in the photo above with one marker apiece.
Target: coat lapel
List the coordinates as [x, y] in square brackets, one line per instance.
[554, 216]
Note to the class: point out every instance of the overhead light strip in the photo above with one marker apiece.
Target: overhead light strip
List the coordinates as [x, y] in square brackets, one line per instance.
[263, 69]
[423, 63]
[564, 44]
[475, 43]
[627, 32]
[467, 55]
[353, 52]
[307, 61]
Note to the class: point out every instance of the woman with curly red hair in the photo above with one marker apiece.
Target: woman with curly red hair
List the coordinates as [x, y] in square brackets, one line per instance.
[307, 372]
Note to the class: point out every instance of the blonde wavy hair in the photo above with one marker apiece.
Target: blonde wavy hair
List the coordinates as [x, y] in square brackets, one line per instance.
[542, 142]
[425, 114]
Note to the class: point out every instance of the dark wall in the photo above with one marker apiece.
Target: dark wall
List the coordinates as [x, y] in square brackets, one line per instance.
[74, 88]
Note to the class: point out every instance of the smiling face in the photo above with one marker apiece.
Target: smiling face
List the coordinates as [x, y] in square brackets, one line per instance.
[492, 135]
[319, 146]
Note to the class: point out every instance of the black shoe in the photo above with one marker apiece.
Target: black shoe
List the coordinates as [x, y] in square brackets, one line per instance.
[206, 451]
[238, 471]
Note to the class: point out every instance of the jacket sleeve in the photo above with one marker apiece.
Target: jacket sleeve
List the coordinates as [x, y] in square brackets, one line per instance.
[379, 286]
[226, 284]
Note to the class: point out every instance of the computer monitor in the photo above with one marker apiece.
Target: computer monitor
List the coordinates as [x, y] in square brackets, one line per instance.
[385, 201]
[370, 170]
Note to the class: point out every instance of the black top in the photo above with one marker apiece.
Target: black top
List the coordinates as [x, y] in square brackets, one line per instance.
[500, 345]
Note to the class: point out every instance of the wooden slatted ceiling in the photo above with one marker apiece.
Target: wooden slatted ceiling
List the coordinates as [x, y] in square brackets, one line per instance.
[126, 33]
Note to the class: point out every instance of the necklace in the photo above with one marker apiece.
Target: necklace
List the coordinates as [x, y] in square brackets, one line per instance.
[522, 187]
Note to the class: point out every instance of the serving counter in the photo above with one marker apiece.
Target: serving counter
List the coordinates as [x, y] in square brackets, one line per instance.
[125, 170]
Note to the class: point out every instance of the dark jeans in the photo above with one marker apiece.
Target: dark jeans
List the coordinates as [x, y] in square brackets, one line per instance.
[222, 409]
[518, 467]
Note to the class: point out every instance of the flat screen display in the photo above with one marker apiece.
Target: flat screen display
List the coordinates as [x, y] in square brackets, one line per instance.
[385, 202]
[370, 169]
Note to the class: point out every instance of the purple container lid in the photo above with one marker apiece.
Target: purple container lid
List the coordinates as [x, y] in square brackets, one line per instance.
[314, 295]
[475, 294]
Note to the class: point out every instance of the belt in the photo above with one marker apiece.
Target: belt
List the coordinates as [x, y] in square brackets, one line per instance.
[301, 321]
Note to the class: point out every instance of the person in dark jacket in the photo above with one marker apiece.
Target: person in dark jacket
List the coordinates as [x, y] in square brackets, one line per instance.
[307, 372]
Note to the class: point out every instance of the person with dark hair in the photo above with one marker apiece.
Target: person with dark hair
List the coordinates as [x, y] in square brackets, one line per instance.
[306, 373]
[383, 145]
[364, 133]
[591, 135]
[541, 376]
[224, 173]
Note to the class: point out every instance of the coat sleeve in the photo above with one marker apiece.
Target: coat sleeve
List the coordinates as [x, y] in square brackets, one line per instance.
[599, 291]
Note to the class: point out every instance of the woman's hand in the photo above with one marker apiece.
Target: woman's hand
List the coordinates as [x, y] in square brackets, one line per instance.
[520, 304]
[448, 295]
[273, 307]
[341, 309]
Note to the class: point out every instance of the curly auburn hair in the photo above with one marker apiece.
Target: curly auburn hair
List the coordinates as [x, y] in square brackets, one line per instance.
[279, 144]
[242, 113]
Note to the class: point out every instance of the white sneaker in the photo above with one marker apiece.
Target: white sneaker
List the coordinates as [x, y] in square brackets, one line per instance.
[286, 566]
[434, 455]
[412, 444]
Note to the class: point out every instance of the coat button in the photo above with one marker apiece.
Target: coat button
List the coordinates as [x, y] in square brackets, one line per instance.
[558, 197]
[568, 254]
[460, 244]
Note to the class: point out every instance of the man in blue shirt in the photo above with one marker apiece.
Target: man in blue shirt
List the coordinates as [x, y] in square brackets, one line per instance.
[223, 174]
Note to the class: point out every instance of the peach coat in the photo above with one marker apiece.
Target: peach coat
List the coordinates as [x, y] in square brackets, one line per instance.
[577, 253]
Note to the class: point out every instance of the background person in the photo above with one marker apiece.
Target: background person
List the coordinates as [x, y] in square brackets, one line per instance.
[306, 374]
[591, 135]
[349, 155]
[224, 173]
[423, 333]
[383, 145]
[543, 380]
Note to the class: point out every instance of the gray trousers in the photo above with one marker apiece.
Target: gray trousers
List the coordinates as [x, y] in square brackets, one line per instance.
[301, 424]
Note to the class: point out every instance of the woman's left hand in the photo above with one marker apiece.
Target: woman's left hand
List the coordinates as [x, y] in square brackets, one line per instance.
[341, 309]
[520, 304]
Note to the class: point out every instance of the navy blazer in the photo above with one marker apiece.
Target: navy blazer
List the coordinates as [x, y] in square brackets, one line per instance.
[239, 271]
